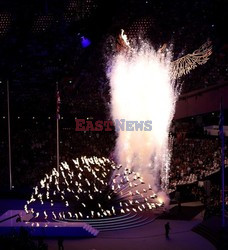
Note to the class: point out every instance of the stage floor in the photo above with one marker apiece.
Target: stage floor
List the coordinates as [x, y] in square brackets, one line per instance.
[146, 237]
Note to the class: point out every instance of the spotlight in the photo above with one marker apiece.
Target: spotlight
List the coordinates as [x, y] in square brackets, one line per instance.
[85, 42]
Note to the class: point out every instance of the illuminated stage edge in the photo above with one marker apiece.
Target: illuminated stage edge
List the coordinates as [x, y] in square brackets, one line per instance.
[8, 223]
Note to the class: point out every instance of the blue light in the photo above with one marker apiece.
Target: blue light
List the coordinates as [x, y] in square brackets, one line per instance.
[85, 42]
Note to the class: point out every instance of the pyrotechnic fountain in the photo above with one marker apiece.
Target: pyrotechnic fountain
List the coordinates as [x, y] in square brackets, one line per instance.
[144, 88]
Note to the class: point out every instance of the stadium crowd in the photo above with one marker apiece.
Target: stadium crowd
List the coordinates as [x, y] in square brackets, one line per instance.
[195, 159]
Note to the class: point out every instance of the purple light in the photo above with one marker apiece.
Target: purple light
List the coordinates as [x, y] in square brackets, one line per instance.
[85, 42]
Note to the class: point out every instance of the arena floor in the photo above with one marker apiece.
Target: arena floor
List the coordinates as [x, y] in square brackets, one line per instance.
[151, 236]
[147, 237]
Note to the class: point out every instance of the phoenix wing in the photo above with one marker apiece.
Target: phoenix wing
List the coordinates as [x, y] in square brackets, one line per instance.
[185, 64]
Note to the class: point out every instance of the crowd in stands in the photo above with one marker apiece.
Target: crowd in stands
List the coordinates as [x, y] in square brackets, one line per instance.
[195, 159]
[195, 154]
[34, 150]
